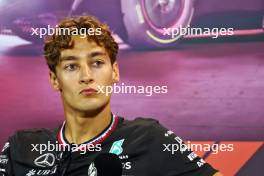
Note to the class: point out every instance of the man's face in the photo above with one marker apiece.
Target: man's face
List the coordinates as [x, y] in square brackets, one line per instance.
[80, 70]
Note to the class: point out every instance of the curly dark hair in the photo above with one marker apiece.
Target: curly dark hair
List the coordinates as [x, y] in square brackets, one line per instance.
[54, 44]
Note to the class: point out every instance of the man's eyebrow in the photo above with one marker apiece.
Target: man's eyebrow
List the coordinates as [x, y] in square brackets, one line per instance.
[90, 55]
[68, 58]
[96, 53]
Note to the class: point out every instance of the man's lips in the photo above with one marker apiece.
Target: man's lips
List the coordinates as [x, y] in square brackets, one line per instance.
[88, 91]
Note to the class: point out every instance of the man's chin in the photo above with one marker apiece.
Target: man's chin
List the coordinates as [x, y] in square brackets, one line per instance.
[92, 107]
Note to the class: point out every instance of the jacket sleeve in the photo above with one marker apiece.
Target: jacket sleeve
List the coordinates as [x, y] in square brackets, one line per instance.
[6, 161]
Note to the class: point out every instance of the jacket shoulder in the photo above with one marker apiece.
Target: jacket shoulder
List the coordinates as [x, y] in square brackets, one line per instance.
[35, 135]
[142, 122]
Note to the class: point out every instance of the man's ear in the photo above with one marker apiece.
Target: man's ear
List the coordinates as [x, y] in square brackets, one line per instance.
[54, 81]
[115, 74]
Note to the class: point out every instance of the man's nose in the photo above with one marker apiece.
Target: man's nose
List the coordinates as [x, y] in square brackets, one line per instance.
[86, 75]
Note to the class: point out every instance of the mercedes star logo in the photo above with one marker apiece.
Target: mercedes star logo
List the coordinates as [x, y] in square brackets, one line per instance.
[46, 160]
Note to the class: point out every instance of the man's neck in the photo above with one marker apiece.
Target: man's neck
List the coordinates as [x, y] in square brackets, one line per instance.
[80, 128]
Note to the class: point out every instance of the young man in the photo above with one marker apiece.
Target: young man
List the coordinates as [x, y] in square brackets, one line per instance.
[80, 66]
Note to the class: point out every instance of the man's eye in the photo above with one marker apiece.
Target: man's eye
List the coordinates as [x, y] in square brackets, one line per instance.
[71, 67]
[98, 63]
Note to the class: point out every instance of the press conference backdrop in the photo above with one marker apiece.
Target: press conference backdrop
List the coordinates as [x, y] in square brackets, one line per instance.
[214, 78]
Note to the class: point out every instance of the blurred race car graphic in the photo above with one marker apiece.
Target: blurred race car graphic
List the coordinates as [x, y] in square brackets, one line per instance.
[140, 23]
